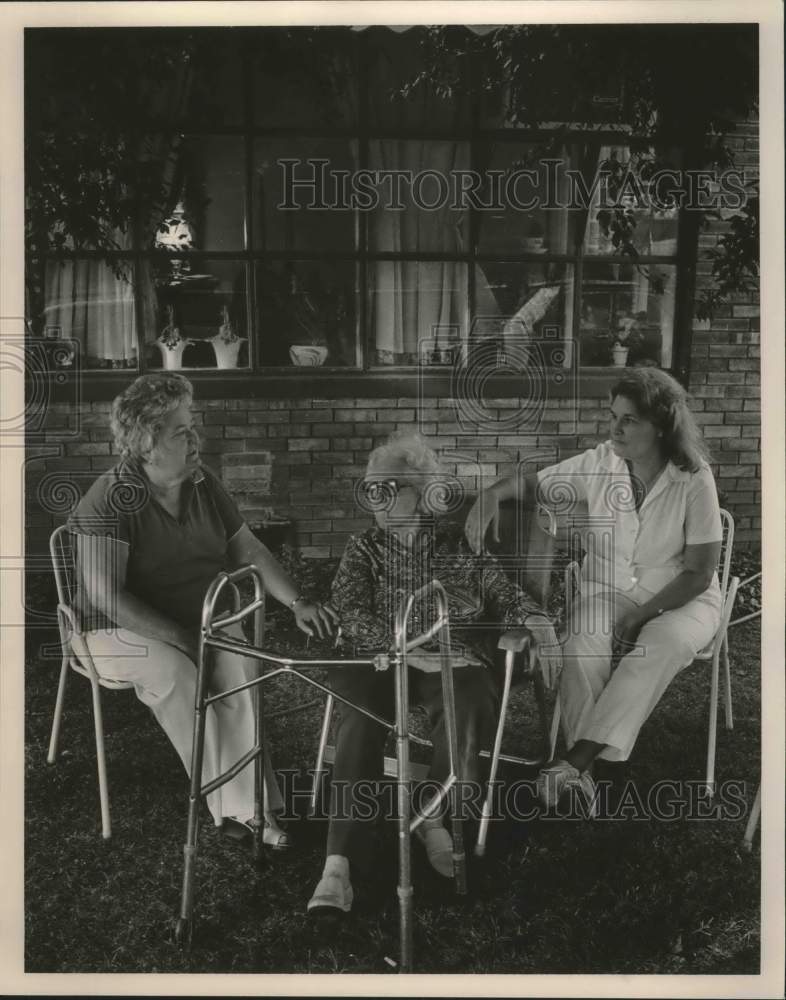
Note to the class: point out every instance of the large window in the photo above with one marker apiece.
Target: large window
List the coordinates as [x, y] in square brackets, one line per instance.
[312, 215]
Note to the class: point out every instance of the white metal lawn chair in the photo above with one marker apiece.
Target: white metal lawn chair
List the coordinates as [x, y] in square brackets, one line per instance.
[76, 656]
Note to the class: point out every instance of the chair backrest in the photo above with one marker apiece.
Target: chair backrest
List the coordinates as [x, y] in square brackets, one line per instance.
[726, 551]
[63, 555]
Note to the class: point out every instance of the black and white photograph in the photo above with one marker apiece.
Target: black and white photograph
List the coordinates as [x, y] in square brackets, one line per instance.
[393, 499]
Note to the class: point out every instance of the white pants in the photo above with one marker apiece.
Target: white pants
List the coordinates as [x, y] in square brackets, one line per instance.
[164, 679]
[608, 706]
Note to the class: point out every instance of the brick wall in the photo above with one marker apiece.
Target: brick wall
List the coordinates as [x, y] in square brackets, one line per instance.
[725, 379]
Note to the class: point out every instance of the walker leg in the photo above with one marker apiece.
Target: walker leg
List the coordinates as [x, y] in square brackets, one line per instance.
[184, 926]
[404, 889]
[103, 785]
[320, 764]
[61, 688]
[480, 846]
[457, 827]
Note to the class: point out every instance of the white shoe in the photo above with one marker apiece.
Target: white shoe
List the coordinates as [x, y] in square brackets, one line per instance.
[552, 782]
[439, 848]
[585, 786]
[333, 893]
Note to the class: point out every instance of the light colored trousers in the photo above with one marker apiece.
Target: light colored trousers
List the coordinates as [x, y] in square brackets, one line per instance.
[164, 679]
[610, 706]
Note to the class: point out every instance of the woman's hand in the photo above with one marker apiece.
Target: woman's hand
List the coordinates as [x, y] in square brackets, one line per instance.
[485, 510]
[626, 631]
[313, 617]
[545, 646]
[547, 649]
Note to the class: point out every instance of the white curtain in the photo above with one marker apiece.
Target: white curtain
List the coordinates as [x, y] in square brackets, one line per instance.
[86, 302]
[413, 299]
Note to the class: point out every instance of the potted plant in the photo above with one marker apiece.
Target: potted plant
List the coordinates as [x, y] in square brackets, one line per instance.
[619, 354]
[171, 343]
[226, 342]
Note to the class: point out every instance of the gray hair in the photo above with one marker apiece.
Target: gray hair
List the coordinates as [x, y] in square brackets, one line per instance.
[140, 411]
[408, 452]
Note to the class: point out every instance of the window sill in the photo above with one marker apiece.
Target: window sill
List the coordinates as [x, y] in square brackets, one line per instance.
[97, 386]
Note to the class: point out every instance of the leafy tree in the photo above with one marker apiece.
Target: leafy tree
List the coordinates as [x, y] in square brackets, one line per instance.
[669, 84]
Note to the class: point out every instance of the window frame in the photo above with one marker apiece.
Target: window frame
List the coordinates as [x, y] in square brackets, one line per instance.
[393, 377]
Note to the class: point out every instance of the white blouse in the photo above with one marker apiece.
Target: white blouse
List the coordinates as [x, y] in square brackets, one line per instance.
[629, 550]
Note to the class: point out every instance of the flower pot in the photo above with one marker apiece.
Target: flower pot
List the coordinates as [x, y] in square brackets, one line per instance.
[619, 355]
[227, 353]
[308, 355]
[172, 357]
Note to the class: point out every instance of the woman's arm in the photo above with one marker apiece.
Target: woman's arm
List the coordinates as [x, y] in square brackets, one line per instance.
[485, 510]
[699, 563]
[245, 548]
[353, 596]
[102, 566]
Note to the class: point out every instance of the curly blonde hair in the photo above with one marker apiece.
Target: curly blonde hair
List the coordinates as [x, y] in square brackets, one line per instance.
[140, 411]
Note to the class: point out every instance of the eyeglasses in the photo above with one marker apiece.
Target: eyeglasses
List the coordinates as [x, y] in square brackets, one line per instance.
[381, 494]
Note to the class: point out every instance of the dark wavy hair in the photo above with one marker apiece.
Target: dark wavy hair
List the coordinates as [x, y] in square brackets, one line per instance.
[660, 399]
[141, 409]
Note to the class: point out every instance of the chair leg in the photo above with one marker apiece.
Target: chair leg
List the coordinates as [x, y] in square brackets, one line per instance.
[727, 681]
[103, 785]
[554, 729]
[318, 770]
[480, 846]
[713, 724]
[753, 822]
[61, 688]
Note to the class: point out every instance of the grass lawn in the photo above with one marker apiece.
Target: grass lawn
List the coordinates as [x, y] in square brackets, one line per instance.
[630, 892]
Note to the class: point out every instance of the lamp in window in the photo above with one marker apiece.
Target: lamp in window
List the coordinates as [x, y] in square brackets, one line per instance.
[175, 234]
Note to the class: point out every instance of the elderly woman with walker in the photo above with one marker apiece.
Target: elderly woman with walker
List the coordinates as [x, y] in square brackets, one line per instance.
[402, 553]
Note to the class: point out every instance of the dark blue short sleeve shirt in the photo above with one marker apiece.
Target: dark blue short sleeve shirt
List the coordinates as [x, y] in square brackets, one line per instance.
[171, 561]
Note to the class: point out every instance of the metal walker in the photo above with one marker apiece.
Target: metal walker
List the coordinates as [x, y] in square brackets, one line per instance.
[211, 638]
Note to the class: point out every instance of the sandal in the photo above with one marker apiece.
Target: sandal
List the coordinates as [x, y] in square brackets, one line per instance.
[552, 782]
[272, 835]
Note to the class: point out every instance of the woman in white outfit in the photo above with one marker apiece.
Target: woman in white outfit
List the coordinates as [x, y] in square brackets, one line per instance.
[152, 533]
[650, 598]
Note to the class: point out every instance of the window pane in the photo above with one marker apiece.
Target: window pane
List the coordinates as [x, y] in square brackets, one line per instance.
[206, 306]
[212, 94]
[630, 307]
[92, 303]
[208, 190]
[625, 196]
[529, 198]
[395, 60]
[524, 302]
[310, 306]
[414, 211]
[330, 224]
[412, 304]
[305, 77]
